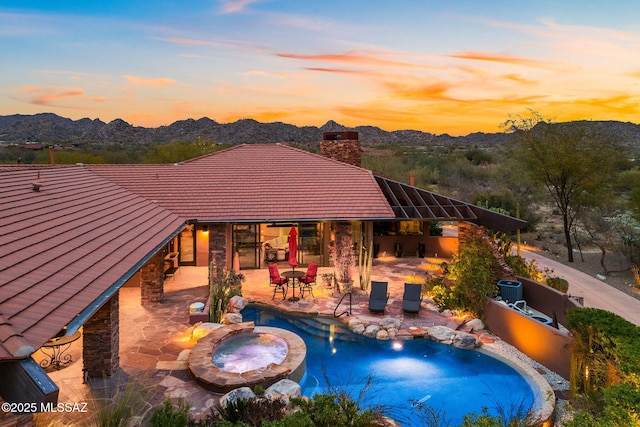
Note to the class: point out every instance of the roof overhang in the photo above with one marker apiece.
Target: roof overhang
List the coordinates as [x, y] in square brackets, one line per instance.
[412, 203]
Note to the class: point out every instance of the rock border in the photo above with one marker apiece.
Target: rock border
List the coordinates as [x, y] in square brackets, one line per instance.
[210, 377]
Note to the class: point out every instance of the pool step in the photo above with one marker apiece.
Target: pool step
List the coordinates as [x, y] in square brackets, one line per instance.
[322, 327]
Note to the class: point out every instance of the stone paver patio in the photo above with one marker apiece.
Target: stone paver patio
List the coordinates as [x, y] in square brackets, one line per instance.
[155, 341]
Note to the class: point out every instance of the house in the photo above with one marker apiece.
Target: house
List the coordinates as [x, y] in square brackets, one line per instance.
[72, 235]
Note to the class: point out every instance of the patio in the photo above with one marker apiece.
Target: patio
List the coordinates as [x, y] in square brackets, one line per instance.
[155, 341]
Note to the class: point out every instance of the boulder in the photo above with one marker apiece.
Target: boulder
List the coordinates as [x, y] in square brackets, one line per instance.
[358, 328]
[243, 393]
[371, 331]
[354, 321]
[487, 338]
[238, 303]
[392, 332]
[465, 341]
[389, 322]
[382, 334]
[476, 325]
[233, 318]
[442, 334]
[284, 389]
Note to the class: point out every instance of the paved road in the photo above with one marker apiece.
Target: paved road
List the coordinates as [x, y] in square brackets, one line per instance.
[595, 293]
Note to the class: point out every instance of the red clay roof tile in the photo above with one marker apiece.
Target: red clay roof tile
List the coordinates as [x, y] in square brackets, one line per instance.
[67, 243]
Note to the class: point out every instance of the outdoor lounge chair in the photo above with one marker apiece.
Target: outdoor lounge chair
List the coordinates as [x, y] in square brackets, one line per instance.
[278, 283]
[378, 296]
[412, 298]
[308, 279]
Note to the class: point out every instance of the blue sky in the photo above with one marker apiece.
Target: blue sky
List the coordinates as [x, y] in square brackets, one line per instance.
[443, 67]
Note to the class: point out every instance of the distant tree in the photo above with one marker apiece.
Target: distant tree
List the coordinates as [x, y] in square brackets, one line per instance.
[178, 151]
[574, 164]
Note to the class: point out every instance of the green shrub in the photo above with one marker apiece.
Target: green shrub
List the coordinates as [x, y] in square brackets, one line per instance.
[166, 416]
[605, 368]
[252, 411]
[333, 410]
[558, 283]
[473, 270]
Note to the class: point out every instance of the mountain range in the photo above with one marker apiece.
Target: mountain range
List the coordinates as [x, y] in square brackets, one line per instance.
[53, 129]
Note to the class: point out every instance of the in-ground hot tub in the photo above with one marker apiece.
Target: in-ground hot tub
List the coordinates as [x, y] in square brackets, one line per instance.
[244, 355]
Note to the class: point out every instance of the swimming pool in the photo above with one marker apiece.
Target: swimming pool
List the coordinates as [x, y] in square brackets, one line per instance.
[403, 373]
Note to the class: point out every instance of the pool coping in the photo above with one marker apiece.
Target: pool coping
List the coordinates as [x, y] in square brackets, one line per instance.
[209, 376]
[544, 396]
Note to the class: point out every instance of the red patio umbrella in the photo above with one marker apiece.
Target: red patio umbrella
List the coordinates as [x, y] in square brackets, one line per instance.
[293, 248]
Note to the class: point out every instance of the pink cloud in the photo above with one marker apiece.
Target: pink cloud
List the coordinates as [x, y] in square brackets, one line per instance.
[156, 82]
[235, 6]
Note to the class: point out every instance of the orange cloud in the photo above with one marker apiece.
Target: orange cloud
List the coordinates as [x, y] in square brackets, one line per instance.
[410, 91]
[157, 82]
[502, 58]
[48, 96]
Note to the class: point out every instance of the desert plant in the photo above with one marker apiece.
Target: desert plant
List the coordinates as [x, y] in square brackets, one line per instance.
[222, 287]
[341, 253]
[117, 403]
[169, 416]
[558, 283]
[252, 412]
[365, 263]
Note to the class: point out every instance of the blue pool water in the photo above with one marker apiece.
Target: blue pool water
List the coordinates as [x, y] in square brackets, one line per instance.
[403, 373]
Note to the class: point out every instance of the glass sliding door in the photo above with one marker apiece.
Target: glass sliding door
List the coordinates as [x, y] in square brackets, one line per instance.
[187, 246]
[246, 242]
[310, 243]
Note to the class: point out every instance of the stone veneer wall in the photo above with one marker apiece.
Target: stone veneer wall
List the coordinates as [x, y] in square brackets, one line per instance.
[101, 340]
[346, 150]
[501, 268]
[218, 246]
[152, 280]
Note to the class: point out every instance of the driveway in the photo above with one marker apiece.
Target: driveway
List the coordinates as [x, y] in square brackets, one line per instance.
[596, 293]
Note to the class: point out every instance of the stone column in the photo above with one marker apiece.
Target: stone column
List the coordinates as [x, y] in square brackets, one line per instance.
[152, 280]
[218, 246]
[101, 340]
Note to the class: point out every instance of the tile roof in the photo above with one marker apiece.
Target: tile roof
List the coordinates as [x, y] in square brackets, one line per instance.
[65, 245]
[256, 182]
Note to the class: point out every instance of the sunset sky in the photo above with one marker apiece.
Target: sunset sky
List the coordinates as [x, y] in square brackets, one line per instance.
[444, 67]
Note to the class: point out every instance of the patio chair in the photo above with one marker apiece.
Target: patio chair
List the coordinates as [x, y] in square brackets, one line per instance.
[412, 298]
[277, 282]
[308, 279]
[378, 296]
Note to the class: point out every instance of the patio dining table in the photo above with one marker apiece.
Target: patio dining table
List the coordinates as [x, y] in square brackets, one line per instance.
[294, 276]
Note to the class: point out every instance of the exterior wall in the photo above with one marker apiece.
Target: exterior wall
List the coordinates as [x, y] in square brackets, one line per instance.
[101, 341]
[544, 344]
[152, 280]
[442, 247]
[547, 300]
[202, 246]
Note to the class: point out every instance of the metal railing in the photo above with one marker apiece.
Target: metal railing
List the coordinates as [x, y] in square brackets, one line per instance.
[348, 312]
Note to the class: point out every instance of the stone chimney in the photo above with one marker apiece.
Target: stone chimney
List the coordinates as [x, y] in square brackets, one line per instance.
[343, 146]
